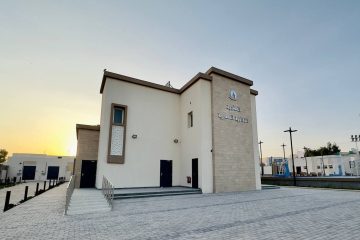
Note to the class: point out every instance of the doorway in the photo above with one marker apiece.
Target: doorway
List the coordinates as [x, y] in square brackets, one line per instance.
[88, 174]
[195, 173]
[298, 170]
[165, 173]
[28, 173]
[53, 172]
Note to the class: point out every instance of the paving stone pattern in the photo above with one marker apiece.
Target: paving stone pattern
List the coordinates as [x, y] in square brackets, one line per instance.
[286, 213]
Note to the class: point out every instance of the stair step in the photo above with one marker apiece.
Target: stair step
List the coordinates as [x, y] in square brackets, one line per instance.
[85, 211]
[99, 208]
[157, 194]
[88, 205]
[82, 202]
[265, 187]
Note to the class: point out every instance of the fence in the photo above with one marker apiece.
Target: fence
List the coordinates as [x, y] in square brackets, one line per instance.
[69, 191]
[108, 191]
[52, 183]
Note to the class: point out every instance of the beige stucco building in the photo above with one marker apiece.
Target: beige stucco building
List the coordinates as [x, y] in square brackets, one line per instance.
[202, 135]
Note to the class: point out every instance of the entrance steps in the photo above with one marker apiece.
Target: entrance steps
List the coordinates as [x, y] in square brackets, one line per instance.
[267, 187]
[130, 193]
[87, 201]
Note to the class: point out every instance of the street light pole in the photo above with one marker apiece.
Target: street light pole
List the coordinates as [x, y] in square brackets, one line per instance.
[292, 152]
[261, 162]
[307, 171]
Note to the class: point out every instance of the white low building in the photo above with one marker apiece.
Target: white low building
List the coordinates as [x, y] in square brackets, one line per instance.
[203, 135]
[39, 166]
[344, 164]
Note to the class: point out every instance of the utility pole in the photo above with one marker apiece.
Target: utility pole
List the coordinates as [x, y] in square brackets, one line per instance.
[283, 146]
[290, 131]
[261, 162]
[307, 171]
[355, 138]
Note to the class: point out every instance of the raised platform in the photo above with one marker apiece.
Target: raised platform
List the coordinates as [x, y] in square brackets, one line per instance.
[126, 193]
[339, 182]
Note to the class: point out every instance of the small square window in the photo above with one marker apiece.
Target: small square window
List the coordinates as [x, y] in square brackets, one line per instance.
[190, 119]
[118, 115]
[318, 167]
[305, 167]
[331, 166]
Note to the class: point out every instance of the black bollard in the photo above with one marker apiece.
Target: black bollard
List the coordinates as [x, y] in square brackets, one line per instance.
[26, 192]
[44, 186]
[37, 189]
[14, 180]
[7, 200]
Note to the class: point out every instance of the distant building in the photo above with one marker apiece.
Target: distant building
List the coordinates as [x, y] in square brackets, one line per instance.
[39, 166]
[3, 172]
[344, 164]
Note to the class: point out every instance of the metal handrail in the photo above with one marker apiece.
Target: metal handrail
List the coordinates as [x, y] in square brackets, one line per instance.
[69, 190]
[108, 191]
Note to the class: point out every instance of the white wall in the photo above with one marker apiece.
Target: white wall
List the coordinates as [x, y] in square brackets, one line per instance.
[196, 142]
[154, 116]
[42, 162]
[255, 143]
[334, 160]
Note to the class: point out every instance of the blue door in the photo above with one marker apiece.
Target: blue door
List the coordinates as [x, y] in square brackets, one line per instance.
[53, 172]
[28, 173]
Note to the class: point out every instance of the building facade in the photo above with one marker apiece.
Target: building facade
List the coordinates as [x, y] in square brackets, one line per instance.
[39, 167]
[86, 155]
[203, 135]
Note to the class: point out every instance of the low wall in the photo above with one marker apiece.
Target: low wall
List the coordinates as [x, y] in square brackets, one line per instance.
[322, 182]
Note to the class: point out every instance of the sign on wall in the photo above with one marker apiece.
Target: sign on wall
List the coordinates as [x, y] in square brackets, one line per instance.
[231, 110]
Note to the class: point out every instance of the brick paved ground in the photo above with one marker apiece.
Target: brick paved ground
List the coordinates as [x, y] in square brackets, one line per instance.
[17, 192]
[286, 213]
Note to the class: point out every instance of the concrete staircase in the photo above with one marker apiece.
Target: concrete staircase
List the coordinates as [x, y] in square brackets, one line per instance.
[87, 201]
[140, 193]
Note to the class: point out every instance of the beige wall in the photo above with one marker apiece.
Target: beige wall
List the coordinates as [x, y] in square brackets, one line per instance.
[196, 142]
[255, 143]
[233, 143]
[154, 116]
[87, 149]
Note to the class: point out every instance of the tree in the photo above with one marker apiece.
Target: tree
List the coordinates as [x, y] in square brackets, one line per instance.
[329, 149]
[3, 155]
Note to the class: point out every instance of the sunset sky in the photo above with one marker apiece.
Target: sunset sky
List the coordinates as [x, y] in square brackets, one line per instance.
[303, 56]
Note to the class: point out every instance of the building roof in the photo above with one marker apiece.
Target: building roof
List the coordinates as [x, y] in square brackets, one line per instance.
[86, 127]
[204, 76]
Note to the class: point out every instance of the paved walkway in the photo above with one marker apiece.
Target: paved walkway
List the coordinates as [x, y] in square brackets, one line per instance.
[17, 192]
[285, 213]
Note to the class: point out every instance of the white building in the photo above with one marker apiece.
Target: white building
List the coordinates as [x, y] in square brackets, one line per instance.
[336, 165]
[203, 135]
[39, 166]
